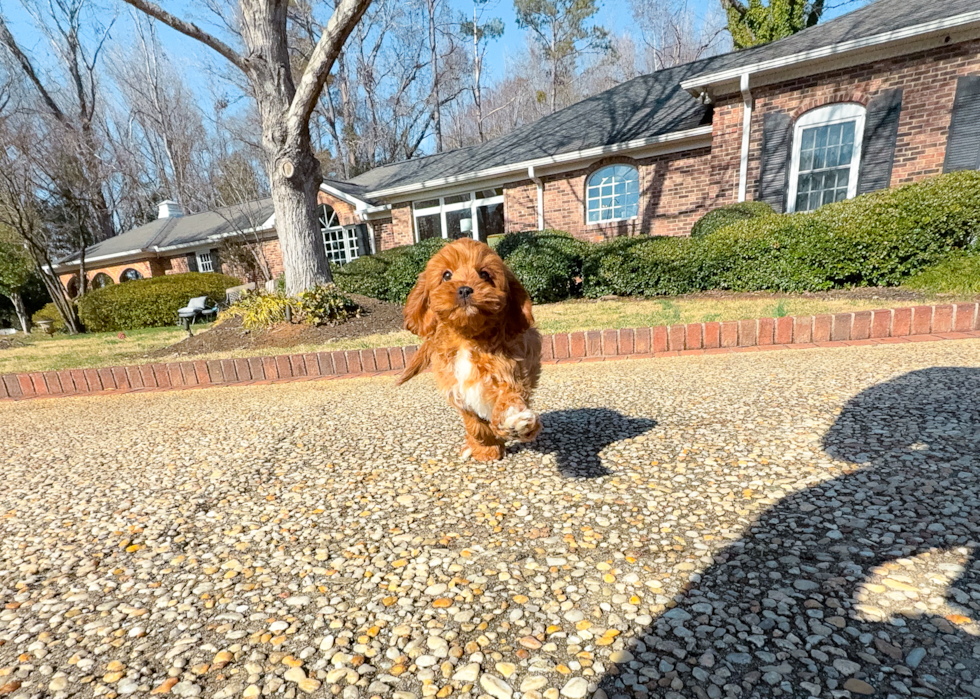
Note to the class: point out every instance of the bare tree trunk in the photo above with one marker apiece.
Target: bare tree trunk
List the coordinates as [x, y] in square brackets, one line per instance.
[436, 108]
[21, 311]
[285, 109]
[477, 65]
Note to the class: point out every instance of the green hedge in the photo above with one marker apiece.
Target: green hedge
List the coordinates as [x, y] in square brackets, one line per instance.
[548, 263]
[727, 215]
[148, 303]
[49, 312]
[876, 240]
[389, 275]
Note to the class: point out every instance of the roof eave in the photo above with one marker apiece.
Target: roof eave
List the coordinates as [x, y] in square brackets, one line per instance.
[902, 41]
[675, 140]
[127, 254]
[358, 204]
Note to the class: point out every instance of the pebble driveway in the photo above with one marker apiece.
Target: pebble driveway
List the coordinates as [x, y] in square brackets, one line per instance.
[775, 524]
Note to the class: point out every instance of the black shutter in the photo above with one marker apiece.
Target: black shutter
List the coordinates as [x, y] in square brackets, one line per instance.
[880, 135]
[963, 146]
[191, 262]
[777, 154]
[215, 260]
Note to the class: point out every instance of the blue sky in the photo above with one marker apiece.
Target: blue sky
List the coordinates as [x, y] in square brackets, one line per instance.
[192, 59]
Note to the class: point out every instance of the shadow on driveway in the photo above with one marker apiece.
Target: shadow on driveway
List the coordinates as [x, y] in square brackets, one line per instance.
[776, 614]
[576, 437]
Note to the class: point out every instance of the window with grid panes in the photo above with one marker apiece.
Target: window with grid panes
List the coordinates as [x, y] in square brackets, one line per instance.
[613, 194]
[339, 243]
[826, 156]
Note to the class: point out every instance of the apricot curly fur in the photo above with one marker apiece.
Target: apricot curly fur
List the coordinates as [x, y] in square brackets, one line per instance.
[481, 343]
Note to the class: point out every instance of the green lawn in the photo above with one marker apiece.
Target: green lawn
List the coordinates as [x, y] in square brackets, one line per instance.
[44, 353]
[58, 351]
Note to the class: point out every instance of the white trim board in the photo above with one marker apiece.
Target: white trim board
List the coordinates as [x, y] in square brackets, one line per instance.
[964, 25]
[358, 204]
[665, 143]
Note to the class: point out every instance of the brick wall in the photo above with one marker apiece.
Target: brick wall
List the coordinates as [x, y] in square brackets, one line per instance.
[928, 80]
[401, 226]
[520, 207]
[345, 211]
[673, 194]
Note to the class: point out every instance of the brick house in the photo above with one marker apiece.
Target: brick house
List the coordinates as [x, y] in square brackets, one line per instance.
[885, 95]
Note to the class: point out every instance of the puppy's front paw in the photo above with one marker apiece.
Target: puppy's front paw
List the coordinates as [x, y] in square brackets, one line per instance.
[483, 452]
[519, 423]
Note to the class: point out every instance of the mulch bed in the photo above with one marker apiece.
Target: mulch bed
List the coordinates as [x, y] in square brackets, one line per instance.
[377, 317]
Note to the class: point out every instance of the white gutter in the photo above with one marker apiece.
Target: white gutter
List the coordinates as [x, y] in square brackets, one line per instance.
[539, 185]
[743, 169]
[674, 139]
[697, 84]
[146, 252]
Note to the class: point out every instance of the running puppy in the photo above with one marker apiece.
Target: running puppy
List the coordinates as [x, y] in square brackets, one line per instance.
[476, 326]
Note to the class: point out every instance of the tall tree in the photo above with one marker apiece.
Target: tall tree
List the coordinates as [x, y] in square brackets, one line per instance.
[482, 31]
[285, 107]
[16, 272]
[672, 33]
[434, 52]
[564, 31]
[755, 23]
[79, 177]
[22, 213]
[164, 124]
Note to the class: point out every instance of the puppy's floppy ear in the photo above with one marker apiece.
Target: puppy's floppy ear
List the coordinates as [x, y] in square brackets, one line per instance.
[419, 320]
[517, 313]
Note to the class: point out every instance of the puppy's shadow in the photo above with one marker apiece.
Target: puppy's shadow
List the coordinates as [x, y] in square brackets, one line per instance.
[577, 437]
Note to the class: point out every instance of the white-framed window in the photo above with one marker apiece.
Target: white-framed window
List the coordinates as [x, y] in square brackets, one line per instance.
[613, 194]
[475, 215]
[204, 262]
[826, 156]
[340, 243]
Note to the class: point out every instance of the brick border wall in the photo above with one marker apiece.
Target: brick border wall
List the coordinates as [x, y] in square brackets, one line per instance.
[862, 327]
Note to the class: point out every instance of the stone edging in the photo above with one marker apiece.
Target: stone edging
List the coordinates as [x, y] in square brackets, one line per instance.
[950, 321]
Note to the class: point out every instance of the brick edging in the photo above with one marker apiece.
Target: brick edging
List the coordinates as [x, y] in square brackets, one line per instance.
[863, 327]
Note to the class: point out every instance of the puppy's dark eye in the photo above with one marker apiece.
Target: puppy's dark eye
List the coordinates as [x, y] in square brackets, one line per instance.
[485, 276]
[447, 275]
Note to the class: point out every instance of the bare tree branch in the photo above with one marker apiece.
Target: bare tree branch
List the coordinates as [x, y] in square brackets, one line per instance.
[341, 24]
[190, 29]
[7, 39]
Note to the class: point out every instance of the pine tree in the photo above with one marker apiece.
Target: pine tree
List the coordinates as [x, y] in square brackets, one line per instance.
[757, 23]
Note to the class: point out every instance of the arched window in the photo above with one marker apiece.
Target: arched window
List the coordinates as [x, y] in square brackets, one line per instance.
[328, 217]
[613, 194]
[100, 280]
[72, 286]
[340, 243]
[130, 275]
[826, 156]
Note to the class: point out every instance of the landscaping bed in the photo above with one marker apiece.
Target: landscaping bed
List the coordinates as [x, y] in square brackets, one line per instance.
[377, 317]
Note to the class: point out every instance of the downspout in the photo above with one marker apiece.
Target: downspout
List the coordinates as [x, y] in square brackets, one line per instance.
[539, 183]
[743, 171]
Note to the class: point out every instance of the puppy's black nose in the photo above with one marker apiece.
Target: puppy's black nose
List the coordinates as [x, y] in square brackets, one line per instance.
[464, 291]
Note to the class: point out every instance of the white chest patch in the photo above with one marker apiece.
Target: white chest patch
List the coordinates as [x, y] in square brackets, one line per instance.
[468, 393]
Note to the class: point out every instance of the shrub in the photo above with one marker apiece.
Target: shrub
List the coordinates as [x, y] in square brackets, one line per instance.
[641, 266]
[150, 302]
[49, 312]
[727, 215]
[326, 305]
[548, 263]
[259, 310]
[958, 274]
[389, 275]
[321, 305]
[879, 239]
